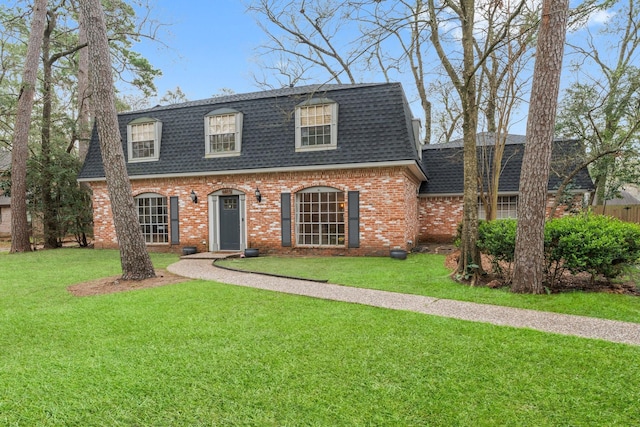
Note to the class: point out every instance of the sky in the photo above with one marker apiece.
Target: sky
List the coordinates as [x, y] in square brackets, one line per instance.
[210, 47]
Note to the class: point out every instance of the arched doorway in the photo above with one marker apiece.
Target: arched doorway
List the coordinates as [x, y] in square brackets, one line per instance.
[227, 225]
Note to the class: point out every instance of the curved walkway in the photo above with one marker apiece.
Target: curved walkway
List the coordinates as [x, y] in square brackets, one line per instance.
[586, 327]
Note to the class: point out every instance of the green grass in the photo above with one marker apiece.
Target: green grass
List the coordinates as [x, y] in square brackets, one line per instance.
[425, 274]
[201, 353]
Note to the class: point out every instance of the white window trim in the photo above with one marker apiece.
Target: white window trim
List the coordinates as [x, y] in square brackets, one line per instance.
[238, 134]
[157, 127]
[334, 125]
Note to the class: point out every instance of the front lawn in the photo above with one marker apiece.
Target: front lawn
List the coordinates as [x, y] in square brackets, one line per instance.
[202, 353]
[425, 274]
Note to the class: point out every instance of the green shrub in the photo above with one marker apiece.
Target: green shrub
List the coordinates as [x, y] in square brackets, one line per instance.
[497, 239]
[595, 244]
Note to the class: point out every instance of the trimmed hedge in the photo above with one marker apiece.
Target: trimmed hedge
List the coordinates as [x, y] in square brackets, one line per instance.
[595, 244]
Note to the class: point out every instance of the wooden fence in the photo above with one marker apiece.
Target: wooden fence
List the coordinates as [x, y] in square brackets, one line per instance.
[628, 213]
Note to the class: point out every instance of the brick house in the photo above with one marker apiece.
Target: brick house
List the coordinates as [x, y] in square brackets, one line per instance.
[330, 169]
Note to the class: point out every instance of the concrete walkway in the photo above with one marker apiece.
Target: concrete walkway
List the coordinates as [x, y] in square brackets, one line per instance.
[587, 327]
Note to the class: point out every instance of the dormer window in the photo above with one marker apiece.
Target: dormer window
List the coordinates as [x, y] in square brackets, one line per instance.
[143, 139]
[223, 132]
[317, 125]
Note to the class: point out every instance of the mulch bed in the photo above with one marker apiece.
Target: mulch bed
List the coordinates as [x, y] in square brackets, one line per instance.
[567, 283]
[108, 285]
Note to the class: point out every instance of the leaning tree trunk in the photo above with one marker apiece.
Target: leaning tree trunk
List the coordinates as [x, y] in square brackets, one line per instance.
[528, 273]
[20, 150]
[135, 260]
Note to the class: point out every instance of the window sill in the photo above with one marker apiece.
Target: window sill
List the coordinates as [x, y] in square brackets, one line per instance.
[316, 148]
[339, 246]
[150, 159]
[214, 155]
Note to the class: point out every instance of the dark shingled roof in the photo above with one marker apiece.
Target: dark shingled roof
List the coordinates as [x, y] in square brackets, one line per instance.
[374, 125]
[444, 165]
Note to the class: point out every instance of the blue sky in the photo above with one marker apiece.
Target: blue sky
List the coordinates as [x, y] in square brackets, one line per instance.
[210, 47]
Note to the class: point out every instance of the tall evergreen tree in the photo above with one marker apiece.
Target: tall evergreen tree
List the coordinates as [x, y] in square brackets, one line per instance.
[134, 258]
[20, 151]
[528, 273]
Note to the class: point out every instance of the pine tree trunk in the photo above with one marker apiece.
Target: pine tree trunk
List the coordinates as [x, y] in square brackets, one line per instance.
[136, 264]
[20, 151]
[83, 126]
[49, 210]
[529, 252]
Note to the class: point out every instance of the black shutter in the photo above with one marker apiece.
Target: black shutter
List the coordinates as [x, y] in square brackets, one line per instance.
[285, 218]
[173, 212]
[354, 219]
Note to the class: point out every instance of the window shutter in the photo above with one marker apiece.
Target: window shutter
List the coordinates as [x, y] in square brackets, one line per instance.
[285, 218]
[354, 219]
[174, 220]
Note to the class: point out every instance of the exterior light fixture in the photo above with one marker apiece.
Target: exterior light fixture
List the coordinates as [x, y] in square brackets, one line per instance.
[194, 197]
[258, 195]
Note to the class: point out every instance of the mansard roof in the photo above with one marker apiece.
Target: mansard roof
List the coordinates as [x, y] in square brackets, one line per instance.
[374, 127]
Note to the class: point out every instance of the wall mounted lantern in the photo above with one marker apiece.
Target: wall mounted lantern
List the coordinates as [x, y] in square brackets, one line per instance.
[258, 195]
[194, 197]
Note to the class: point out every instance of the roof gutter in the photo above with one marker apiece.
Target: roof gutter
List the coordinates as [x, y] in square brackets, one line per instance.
[505, 193]
[411, 164]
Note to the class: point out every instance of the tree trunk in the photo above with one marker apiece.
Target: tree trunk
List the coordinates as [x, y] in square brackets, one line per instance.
[20, 150]
[83, 126]
[469, 265]
[49, 210]
[135, 260]
[528, 274]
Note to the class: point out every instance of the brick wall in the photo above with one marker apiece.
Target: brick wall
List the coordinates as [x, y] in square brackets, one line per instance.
[439, 216]
[388, 208]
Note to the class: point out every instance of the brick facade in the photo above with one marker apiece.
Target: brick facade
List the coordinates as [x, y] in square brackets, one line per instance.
[439, 216]
[388, 214]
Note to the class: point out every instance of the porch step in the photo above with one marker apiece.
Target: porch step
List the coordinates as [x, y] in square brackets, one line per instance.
[211, 255]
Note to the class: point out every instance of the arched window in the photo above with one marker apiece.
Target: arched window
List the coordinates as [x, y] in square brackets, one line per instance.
[320, 217]
[153, 217]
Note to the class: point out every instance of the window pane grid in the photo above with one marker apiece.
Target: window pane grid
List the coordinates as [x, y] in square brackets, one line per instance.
[507, 207]
[143, 140]
[222, 133]
[321, 219]
[315, 125]
[153, 217]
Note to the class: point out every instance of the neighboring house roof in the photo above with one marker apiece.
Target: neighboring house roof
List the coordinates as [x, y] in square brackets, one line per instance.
[374, 126]
[625, 198]
[445, 169]
[5, 164]
[5, 160]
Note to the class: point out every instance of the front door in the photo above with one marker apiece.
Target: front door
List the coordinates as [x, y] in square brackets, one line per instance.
[229, 223]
